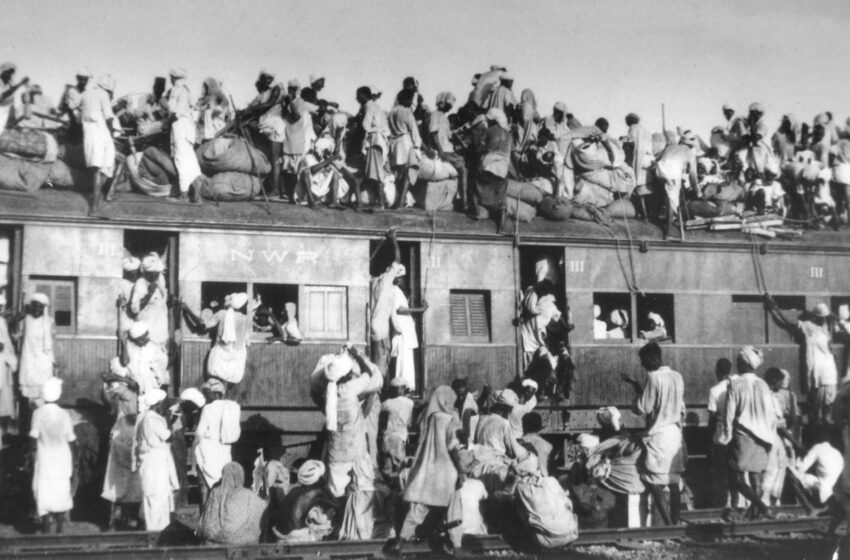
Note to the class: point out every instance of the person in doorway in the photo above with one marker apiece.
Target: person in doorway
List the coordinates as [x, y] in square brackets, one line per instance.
[382, 300]
[37, 362]
[149, 299]
[53, 438]
[131, 267]
[662, 402]
[404, 340]
[146, 361]
[99, 149]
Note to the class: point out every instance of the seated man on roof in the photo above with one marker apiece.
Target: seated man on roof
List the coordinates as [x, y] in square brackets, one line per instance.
[319, 177]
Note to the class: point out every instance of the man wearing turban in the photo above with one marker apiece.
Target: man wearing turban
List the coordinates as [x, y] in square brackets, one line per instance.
[37, 361]
[748, 426]
[145, 361]
[439, 139]
[183, 131]
[662, 402]
[131, 267]
[99, 149]
[218, 428]
[149, 299]
[232, 327]
[155, 462]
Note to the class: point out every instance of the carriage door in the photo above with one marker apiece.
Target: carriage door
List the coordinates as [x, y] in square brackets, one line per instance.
[11, 243]
[541, 268]
[383, 255]
[138, 243]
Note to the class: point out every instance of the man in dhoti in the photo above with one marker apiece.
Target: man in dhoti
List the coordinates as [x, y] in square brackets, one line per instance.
[748, 426]
[661, 400]
[53, 438]
[404, 142]
[154, 461]
[338, 384]
[131, 266]
[674, 164]
[375, 145]
[70, 105]
[37, 362]
[121, 483]
[218, 428]
[98, 147]
[183, 132]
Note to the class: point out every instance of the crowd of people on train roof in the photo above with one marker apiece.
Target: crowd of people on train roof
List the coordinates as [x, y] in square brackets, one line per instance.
[492, 153]
[392, 465]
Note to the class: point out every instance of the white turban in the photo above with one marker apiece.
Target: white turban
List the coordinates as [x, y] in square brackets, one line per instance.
[83, 72]
[588, 441]
[397, 269]
[498, 116]
[115, 367]
[51, 390]
[844, 312]
[316, 77]
[821, 310]
[398, 382]
[40, 298]
[619, 318]
[446, 97]
[178, 73]
[107, 82]
[508, 397]
[609, 416]
[232, 303]
[597, 311]
[214, 385]
[311, 472]
[529, 383]
[152, 263]
[137, 330]
[323, 144]
[655, 318]
[751, 356]
[336, 367]
[131, 264]
[194, 396]
[153, 397]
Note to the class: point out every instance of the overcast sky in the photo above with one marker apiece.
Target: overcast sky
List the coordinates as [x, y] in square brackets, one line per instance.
[603, 58]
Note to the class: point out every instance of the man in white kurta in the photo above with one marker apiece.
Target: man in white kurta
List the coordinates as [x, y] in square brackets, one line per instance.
[98, 147]
[404, 340]
[53, 432]
[183, 132]
[217, 429]
[149, 299]
[37, 360]
[155, 463]
[145, 361]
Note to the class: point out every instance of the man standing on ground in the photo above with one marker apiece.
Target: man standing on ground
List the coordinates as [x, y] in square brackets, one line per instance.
[723, 495]
[661, 400]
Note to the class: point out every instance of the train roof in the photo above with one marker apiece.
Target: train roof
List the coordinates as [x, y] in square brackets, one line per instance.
[139, 211]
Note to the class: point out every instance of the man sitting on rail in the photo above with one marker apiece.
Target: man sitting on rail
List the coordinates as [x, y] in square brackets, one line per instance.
[816, 475]
[661, 400]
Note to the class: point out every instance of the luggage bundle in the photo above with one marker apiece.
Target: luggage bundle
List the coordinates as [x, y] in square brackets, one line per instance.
[235, 167]
[436, 185]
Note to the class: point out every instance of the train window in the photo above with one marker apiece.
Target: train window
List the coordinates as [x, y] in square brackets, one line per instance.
[213, 294]
[140, 242]
[62, 293]
[470, 315]
[836, 304]
[748, 320]
[325, 314]
[655, 317]
[279, 299]
[612, 313]
[792, 307]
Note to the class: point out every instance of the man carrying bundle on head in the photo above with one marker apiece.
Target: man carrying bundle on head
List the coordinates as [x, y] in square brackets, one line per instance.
[338, 385]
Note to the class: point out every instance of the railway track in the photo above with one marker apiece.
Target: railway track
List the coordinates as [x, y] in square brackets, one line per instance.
[702, 525]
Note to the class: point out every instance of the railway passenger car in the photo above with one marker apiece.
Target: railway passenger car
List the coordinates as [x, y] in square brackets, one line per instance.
[707, 288]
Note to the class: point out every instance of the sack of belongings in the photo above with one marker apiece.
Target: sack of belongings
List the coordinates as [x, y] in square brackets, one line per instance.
[142, 181]
[546, 509]
[34, 145]
[18, 174]
[232, 154]
[232, 186]
[435, 169]
[59, 174]
[621, 208]
[436, 196]
[157, 166]
[556, 209]
[526, 192]
[519, 210]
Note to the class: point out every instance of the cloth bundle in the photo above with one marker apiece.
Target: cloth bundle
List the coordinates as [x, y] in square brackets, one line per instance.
[232, 154]
[17, 174]
[435, 195]
[547, 510]
[232, 186]
[35, 145]
[156, 174]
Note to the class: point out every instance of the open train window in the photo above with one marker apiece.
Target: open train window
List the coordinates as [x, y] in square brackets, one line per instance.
[836, 302]
[612, 316]
[655, 317]
[140, 242]
[470, 315]
[278, 299]
[543, 266]
[792, 307]
[325, 313]
[748, 320]
[213, 294]
[62, 293]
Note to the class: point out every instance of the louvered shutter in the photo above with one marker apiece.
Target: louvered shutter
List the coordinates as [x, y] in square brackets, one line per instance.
[469, 316]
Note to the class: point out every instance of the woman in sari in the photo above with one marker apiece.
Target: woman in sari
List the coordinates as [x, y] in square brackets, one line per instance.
[233, 514]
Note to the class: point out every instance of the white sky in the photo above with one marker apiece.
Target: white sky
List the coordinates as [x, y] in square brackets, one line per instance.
[603, 58]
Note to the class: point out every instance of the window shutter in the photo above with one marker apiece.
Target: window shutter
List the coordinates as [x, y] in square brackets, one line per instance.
[460, 323]
[469, 315]
[326, 315]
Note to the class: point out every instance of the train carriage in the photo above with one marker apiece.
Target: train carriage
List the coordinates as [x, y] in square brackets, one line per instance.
[708, 288]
